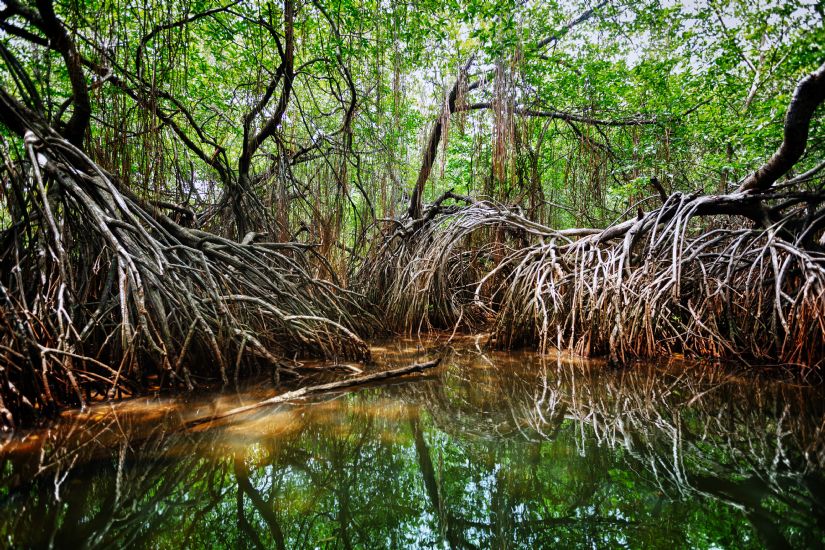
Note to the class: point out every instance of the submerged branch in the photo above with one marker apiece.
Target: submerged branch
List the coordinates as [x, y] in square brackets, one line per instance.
[308, 391]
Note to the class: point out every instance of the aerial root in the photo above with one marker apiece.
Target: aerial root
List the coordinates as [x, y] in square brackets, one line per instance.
[424, 273]
[669, 286]
[102, 294]
[672, 281]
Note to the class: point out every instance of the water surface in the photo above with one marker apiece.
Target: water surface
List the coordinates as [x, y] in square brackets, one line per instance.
[490, 450]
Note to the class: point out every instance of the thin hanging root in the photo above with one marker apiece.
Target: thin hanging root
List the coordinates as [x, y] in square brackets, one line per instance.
[160, 300]
[424, 274]
[750, 294]
[661, 284]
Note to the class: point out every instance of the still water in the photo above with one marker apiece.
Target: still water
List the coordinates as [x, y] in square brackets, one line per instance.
[489, 450]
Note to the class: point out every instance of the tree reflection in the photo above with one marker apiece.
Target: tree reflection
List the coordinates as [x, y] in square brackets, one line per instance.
[500, 450]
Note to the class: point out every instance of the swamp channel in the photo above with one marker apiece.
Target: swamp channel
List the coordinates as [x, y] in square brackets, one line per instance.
[488, 450]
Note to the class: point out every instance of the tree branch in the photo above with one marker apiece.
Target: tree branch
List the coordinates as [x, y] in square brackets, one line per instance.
[565, 29]
[431, 148]
[809, 94]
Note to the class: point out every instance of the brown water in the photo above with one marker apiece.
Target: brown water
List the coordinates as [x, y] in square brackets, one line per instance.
[490, 450]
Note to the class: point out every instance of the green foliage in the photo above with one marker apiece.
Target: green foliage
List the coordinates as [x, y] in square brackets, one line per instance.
[715, 77]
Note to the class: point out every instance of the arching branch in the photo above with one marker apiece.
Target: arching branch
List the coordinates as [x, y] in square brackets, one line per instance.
[59, 40]
[567, 117]
[172, 25]
[809, 94]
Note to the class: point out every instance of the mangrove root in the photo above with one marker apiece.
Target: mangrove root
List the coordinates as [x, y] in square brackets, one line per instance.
[101, 294]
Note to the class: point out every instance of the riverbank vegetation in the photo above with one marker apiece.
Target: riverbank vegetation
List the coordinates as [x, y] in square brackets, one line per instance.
[195, 191]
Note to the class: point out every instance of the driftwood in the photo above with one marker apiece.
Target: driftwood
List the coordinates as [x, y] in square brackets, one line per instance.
[308, 391]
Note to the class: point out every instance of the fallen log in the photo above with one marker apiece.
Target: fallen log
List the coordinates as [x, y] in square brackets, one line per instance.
[321, 388]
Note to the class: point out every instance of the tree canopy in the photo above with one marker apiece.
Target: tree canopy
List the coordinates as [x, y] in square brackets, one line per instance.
[315, 113]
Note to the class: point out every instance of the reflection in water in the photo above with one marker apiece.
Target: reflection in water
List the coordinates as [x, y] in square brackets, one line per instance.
[491, 451]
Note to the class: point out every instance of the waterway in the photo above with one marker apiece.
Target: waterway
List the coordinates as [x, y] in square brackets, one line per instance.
[488, 450]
